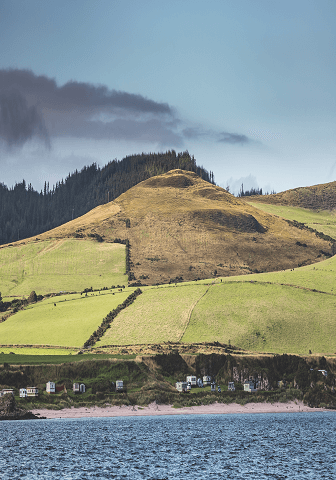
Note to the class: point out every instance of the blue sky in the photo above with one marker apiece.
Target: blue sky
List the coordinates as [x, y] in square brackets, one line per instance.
[248, 87]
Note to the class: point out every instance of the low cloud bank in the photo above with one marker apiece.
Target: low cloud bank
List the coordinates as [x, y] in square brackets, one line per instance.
[35, 107]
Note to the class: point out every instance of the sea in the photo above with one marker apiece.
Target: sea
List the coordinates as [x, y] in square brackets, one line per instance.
[243, 446]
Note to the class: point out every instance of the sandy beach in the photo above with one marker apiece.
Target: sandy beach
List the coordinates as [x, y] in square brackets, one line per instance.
[154, 409]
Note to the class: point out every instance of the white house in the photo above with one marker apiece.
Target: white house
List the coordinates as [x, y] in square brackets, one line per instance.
[249, 386]
[75, 387]
[23, 392]
[206, 380]
[193, 380]
[50, 387]
[78, 388]
[6, 391]
[181, 386]
[32, 392]
[231, 387]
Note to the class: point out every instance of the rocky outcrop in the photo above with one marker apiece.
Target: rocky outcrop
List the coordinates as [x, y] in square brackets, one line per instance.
[10, 411]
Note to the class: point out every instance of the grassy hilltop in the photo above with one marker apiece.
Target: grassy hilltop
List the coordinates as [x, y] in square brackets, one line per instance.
[180, 226]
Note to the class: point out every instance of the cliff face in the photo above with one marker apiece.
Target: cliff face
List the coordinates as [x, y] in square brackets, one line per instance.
[10, 411]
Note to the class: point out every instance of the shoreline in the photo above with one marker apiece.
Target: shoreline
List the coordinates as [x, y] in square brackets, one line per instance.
[154, 409]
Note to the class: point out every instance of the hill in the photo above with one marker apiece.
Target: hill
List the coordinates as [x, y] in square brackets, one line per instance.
[181, 227]
[26, 212]
[316, 197]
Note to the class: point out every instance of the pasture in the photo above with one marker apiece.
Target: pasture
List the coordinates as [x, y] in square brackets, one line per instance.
[160, 314]
[319, 276]
[68, 265]
[68, 324]
[40, 356]
[277, 312]
[321, 220]
[265, 318]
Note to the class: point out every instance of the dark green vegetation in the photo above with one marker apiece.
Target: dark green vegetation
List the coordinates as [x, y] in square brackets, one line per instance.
[25, 212]
[153, 378]
[10, 411]
[106, 323]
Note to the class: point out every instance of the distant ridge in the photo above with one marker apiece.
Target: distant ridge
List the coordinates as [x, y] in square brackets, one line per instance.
[316, 197]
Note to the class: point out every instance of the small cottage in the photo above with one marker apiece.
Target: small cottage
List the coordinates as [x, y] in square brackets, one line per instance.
[181, 387]
[78, 388]
[119, 385]
[7, 391]
[249, 386]
[23, 392]
[206, 380]
[231, 387]
[32, 392]
[75, 387]
[213, 386]
[193, 380]
[50, 387]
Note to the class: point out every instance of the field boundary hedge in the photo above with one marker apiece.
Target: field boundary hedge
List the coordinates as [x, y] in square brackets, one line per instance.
[109, 319]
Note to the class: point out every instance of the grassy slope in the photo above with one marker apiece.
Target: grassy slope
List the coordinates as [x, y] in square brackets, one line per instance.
[158, 315]
[70, 323]
[56, 265]
[271, 315]
[321, 220]
[266, 318]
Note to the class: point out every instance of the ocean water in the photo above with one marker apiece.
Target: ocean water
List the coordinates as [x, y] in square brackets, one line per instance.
[254, 446]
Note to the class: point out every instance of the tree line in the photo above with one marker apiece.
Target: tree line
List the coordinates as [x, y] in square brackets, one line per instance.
[24, 212]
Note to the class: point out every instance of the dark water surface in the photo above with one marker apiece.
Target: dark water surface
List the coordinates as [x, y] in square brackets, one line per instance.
[254, 446]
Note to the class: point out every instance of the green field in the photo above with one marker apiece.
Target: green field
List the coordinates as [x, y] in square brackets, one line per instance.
[319, 276]
[160, 314]
[60, 265]
[321, 220]
[27, 357]
[69, 324]
[271, 312]
[13, 353]
[265, 318]
[291, 311]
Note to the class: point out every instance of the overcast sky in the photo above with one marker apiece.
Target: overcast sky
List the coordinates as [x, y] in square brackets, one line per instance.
[248, 87]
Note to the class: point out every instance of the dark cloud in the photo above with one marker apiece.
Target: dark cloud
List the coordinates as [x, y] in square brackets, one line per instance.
[18, 122]
[34, 105]
[233, 138]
